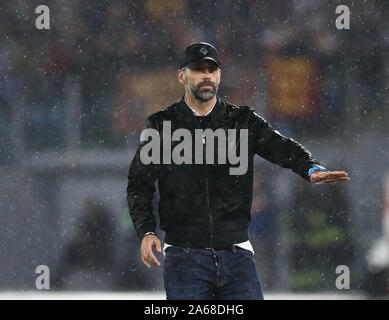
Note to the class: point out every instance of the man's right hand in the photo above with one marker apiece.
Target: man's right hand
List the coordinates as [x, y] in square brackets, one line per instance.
[146, 249]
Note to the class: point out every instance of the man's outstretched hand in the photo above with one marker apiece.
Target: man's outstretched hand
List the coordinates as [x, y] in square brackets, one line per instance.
[146, 249]
[329, 176]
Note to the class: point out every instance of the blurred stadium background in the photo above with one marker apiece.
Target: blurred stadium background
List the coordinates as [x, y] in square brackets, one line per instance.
[73, 100]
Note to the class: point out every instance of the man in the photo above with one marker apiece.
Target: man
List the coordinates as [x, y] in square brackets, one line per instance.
[204, 206]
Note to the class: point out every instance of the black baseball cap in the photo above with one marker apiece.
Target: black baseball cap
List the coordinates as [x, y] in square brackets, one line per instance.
[198, 52]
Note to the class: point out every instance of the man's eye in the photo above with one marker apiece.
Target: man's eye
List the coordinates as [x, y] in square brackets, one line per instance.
[210, 69]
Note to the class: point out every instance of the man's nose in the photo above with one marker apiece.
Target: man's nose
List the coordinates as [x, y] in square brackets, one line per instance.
[206, 74]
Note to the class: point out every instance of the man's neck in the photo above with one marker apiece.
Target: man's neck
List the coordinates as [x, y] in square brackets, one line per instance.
[202, 107]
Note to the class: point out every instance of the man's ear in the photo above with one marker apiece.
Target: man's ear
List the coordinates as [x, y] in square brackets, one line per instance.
[180, 76]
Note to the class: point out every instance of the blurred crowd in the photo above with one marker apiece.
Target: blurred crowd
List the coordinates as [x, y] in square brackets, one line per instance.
[119, 59]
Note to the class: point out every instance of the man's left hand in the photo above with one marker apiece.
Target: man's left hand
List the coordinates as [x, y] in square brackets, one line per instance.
[329, 176]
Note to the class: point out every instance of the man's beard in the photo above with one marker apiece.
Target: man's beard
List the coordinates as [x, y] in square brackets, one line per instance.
[201, 94]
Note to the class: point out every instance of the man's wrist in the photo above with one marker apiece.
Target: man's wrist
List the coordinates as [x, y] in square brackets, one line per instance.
[316, 168]
[147, 233]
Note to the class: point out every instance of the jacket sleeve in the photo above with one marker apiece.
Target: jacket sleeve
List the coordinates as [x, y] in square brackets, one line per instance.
[271, 145]
[140, 191]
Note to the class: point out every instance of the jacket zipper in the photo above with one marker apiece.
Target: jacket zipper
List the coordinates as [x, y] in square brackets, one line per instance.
[207, 192]
[206, 184]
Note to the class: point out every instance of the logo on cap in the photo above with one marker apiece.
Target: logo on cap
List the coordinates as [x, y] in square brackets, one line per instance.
[203, 51]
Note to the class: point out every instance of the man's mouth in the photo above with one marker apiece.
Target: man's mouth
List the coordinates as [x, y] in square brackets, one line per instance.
[206, 86]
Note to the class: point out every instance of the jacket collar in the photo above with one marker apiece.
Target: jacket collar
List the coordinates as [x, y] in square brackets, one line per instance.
[195, 112]
[185, 114]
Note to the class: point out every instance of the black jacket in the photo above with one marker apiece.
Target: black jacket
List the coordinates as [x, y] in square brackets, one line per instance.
[202, 205]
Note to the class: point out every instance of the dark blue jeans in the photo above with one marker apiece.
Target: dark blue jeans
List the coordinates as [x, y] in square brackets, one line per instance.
[208, 274]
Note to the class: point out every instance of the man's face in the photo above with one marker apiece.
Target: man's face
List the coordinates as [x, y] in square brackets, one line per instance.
[202, 82]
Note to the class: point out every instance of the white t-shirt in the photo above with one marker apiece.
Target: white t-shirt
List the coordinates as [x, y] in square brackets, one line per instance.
[245, 245]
